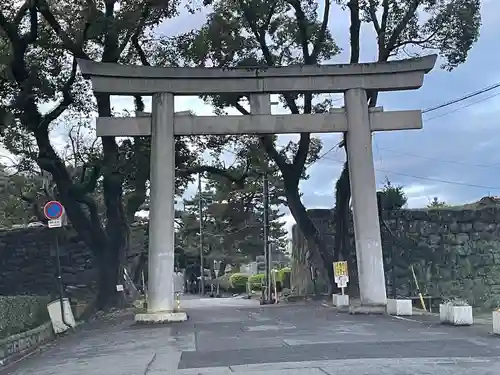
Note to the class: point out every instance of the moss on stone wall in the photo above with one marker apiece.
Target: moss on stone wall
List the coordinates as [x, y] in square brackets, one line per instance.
[22, 313]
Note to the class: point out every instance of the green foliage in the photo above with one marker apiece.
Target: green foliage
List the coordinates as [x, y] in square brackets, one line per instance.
[238, 282]
[393, 196]
[281, 275]
[233, 217]
[436, 204]
[22, 313]
[450, 27]
[256, 281]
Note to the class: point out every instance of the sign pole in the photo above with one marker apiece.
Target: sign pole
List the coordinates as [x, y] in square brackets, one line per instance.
[54, 212]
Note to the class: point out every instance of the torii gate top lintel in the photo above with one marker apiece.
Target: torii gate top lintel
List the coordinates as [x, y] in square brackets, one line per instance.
[146, 80]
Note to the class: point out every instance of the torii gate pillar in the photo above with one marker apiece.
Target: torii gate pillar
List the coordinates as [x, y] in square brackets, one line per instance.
[367, 237]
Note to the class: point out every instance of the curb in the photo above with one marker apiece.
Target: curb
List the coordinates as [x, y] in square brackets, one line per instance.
[17, 347]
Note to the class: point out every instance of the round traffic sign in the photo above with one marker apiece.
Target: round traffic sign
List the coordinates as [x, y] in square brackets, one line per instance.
[53, 210]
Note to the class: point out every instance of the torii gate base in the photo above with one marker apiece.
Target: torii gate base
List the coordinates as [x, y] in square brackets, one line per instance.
[356, 119]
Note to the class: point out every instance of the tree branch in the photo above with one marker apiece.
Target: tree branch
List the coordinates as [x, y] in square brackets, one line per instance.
[354, 30]
[416, 42]
[133, 33]
[21, 12]
[72, 46]
[399, 29]
[214, 170]
[65, 102]
[322, 32]
[301, 156]
[32, 35]
[372, 10]
[302, 24]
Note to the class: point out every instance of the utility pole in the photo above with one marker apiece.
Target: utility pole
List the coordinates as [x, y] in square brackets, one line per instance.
[266, 239]
[202, 260]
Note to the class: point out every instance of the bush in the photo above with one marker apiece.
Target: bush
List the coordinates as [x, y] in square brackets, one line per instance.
[238, 282]
[281, 275]
[256, 281]
[224, 282]
[22, 313]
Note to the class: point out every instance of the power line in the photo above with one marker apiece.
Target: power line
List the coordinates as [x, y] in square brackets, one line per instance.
[462, 107]
[461, 99]
[429, 178]
[441, 160]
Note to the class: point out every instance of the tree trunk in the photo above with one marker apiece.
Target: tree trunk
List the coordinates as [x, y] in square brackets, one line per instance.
[321, 259]
[341, 215]
[117, 228]
[109, 272]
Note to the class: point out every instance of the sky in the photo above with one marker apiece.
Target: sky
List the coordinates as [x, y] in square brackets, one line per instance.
[453, 157]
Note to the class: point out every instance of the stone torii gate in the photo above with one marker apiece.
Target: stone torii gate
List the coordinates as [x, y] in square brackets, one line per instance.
[163, 124]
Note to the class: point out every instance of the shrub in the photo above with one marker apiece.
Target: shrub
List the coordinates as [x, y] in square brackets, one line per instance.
[280, 275]
[224, 282]
[238, 282]
[256, 281]
[22, 313]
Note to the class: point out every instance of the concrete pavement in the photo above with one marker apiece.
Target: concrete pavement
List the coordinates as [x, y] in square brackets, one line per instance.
[237, 336]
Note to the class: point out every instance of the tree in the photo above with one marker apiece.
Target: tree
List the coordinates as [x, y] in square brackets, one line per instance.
[39, 44]
[262, 33]
[448, 27]
[232, 222]
[436, 204]
[392, 196]
[15, 205]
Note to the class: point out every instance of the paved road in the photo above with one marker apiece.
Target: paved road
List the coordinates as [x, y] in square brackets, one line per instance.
[236, 336]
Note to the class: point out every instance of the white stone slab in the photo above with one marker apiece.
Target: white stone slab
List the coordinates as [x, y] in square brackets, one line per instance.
[161, 317]
[496, 322]
[456, 315]
[443, 313]
[399, 307]
[342, 300]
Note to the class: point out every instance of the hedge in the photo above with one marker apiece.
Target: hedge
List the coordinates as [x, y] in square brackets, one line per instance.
[22, 313]
[256, 281]
[238, 282]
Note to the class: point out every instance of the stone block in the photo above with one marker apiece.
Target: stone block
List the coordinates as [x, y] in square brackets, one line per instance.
[496, 322]
[161, 317]
[367, 310]
[399, 307]
[456, 315]
[342, 300]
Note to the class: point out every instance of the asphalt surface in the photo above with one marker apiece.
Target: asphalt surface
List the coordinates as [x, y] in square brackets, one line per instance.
[237, 336]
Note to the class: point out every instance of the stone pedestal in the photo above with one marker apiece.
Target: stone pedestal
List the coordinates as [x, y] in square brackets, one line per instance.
[399, 307]
[161, 317]
[340, 300]
[456, 315]
[368, 309]
[496, 322]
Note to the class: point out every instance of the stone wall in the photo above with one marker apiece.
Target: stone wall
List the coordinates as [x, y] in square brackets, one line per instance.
[454, 252]
[28, 262]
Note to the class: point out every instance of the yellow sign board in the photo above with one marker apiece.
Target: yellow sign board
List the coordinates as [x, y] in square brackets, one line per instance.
[340, 269]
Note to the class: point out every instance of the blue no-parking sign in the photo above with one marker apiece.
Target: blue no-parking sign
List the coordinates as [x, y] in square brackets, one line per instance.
[54, 211]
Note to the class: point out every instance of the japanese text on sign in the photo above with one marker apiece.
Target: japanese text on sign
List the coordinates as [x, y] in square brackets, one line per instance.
[340, 269]
[340, 272]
